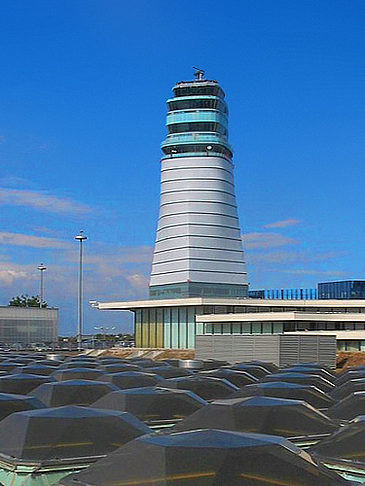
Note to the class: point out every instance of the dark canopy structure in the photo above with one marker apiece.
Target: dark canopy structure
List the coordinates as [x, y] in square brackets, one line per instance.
[206, 458]
[22, 383]
[273, 368]
[78, 364]
[111, 360]
[118, 367]
[6, 366]
[78, 374]
[152, 403]
[237, 378]
[35, 369]
[264, 415]
[349, 375]
[169, 371]
[10, 403]
[302, 378]
[144, 362]
[72, 392]
[207, 387]
[310, 371]
[346, 443]
[292, 391]
[351, 386]
[349, 408]
[132, 379]
[66, 432]
[255, 370]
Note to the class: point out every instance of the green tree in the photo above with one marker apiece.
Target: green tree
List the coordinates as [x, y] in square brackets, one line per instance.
[25, 300]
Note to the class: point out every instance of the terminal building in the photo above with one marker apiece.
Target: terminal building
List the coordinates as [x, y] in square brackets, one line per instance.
[198, 281]
[28, 325]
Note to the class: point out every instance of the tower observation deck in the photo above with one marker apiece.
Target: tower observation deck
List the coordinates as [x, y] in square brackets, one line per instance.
[198, 249]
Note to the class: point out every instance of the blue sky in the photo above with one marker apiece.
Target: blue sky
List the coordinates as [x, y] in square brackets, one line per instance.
[82, 93]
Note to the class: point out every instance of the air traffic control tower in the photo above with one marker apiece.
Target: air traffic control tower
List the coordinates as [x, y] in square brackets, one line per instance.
[198, 250]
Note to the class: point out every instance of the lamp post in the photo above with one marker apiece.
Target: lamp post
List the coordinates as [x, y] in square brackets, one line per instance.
[41, 268]
[80, 237]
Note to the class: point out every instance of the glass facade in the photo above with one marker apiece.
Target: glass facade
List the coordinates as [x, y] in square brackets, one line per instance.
[28, 325]
[284, 294]
[165, 327]
[347, 289]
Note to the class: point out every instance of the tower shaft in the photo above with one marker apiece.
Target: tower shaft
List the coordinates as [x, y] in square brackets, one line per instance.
[198, 249]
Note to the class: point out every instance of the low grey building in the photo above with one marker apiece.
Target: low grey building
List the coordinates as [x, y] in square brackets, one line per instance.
[27, 325]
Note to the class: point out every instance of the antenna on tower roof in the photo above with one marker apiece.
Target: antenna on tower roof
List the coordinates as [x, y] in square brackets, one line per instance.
[199, 74]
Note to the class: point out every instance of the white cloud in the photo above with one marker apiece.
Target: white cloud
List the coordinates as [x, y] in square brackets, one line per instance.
[266, 240]
[283, 223]
[19, 239]
[41, 201]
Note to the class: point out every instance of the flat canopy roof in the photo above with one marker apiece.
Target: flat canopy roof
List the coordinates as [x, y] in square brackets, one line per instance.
[283, 316]
[199, 301]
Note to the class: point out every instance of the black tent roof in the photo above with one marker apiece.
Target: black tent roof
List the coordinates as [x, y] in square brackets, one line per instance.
[268, 365]
[152, 403]
[66, 432]
[207, 387]
[118, 367]
[169, 371]
[78, 374]
[351, 386]
[10, 403]
[255, 370]
[35, 369]
[346, 443]
[206, 458]
[303, 378]
[72, 392]
[79, 364]
[293, 391]
[132, 379]
[344, 377]
[22, 383]
[264, 415]
[310, 371]
[237, 378]
[348, 408]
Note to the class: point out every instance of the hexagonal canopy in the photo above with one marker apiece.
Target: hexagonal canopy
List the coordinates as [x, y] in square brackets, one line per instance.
[169, 371]
[66, 432]
[79, 364]
[292, 391]
[152, 403]
[310, 370]
[118, 367]
[344, 377]
[237, 378]
[132, 379]
[206, 458]
[72, 392]
[78, 374]
[35, 369]
[254, 369]
[351, 386]
[302, 378]
[22, 383]
[346, 443]
[10, 403]
[206, 387]
[348, 408]
[264, 415]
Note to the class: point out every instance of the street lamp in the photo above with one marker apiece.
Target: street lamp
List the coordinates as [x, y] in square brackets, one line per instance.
[41, 268]
[80, 237]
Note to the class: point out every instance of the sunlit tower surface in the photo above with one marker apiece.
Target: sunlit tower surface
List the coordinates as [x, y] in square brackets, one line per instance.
[198, 249]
